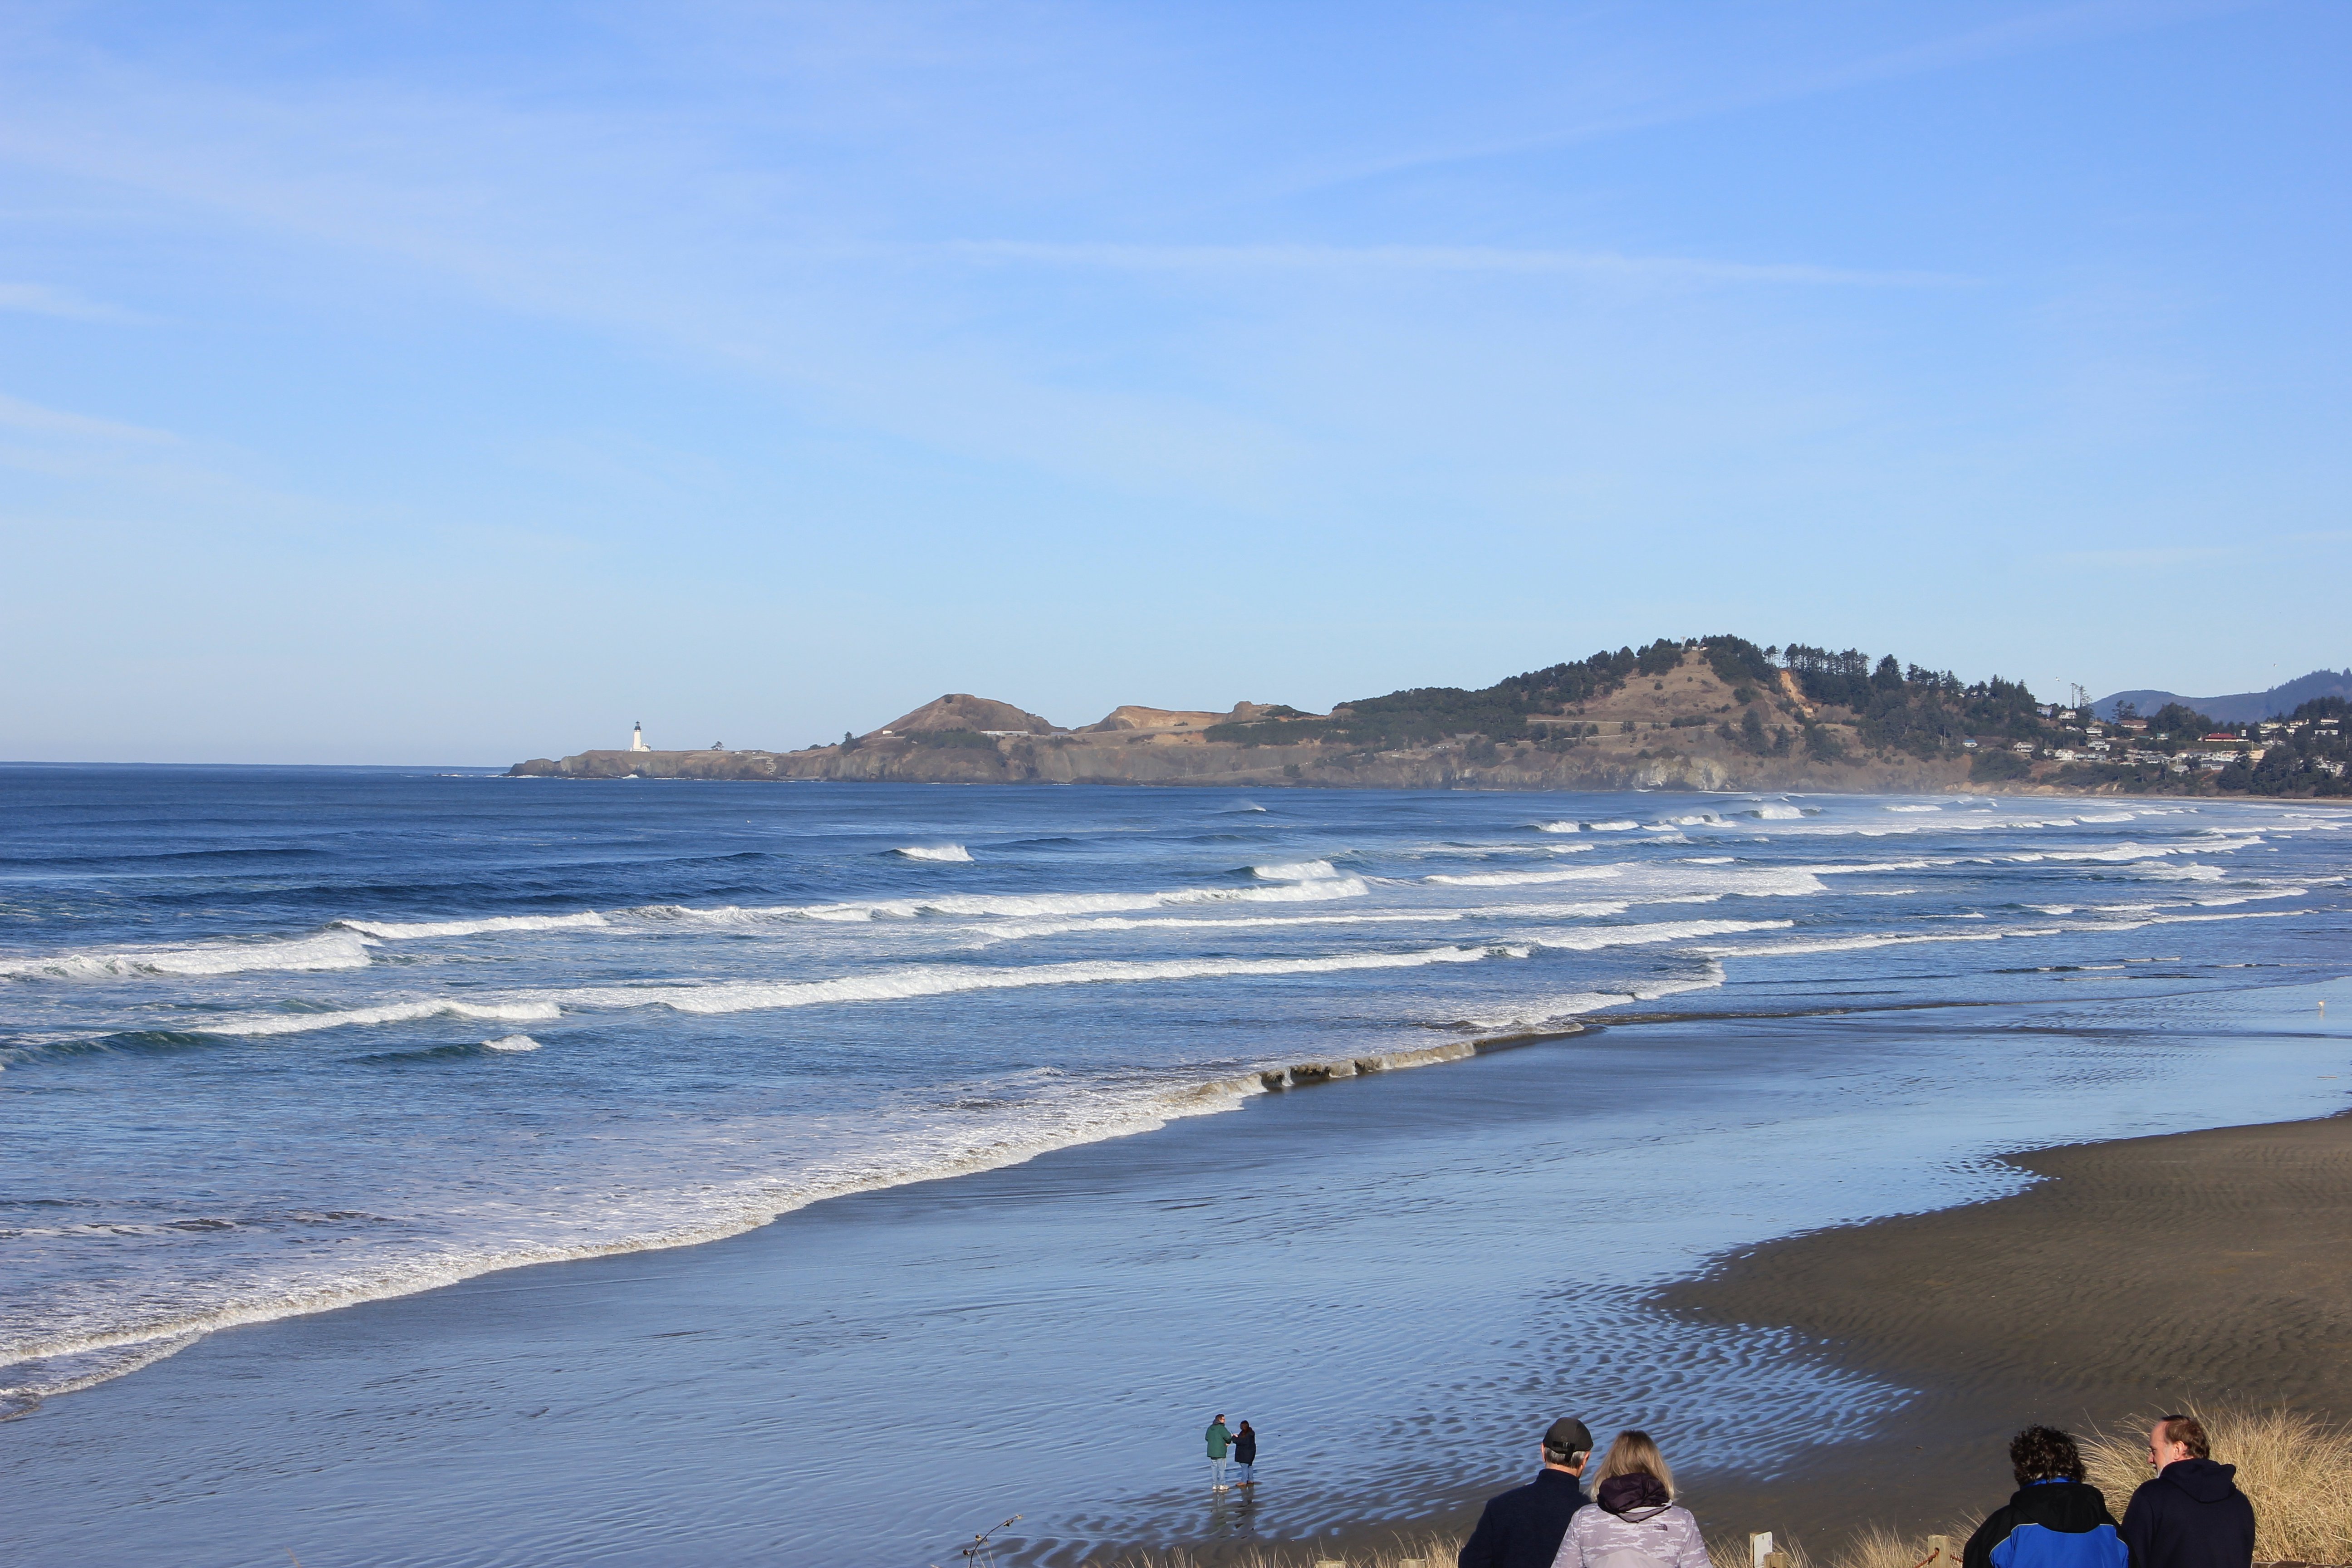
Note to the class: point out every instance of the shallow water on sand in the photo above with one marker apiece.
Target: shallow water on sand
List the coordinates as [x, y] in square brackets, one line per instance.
[275, 1040]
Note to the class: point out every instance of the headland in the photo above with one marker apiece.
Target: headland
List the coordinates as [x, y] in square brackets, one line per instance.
[1717, 713]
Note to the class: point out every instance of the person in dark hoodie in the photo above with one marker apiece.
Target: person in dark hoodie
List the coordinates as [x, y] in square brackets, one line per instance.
[2054, 1519]
[1521, 1528]
[2192, 1515]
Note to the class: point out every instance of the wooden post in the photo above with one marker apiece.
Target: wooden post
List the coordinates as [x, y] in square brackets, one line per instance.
[1760, 1547]
[1940, 1551]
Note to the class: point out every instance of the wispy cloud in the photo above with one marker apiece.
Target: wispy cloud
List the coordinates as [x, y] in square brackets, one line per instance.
[31, 418]
[40, 300]
[1439, 258]
[2149, 559]
[2048, 28]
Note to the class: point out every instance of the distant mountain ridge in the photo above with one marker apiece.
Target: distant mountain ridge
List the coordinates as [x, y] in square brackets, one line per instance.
[2241, 707]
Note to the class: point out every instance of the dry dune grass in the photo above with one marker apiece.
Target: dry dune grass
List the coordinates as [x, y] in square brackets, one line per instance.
[2296, 1470]
[1877, 1547]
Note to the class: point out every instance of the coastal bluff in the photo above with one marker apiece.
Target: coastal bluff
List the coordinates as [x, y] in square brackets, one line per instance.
[1677, 726]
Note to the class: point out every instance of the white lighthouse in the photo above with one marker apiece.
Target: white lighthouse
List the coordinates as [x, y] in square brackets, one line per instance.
[637, 737]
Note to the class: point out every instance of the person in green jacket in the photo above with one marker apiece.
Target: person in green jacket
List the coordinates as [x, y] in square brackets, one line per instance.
[1220, 1441]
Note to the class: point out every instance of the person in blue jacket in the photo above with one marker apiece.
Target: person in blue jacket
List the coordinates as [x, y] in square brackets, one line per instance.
[2192, 1515]
[2054, 1519]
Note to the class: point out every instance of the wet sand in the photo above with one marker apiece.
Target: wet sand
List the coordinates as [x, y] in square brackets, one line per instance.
[2138, 1277]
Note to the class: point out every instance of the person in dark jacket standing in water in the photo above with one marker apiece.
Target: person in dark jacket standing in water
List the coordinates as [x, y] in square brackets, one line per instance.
[2192, 1515]
[2052, 1521]
[1522, 1527]
[1245, 1454]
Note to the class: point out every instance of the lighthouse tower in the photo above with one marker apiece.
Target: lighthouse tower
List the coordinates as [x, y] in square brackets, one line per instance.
[637, 738]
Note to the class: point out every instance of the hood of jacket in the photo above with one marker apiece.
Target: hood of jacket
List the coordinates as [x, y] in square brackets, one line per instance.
[1628, 1494]
[2202, 1480]
[2067, 1506]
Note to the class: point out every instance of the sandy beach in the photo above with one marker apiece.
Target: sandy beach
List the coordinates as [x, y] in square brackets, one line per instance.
[2147, 1272]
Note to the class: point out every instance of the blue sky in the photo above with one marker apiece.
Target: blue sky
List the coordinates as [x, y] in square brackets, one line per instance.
[413, 381]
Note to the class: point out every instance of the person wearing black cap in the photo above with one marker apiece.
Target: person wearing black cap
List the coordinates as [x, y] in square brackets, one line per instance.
[1522, 1527]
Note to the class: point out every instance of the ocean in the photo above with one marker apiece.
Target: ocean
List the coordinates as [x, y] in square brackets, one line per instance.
[279, 1041]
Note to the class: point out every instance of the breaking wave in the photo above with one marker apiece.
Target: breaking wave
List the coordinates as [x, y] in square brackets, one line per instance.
[1876, 939]
[934, 852]
[407, 931]
[1031, 904]
[520, 1012]
[908, 984]
[1599, 937]
[1295, 871]
[330, 950]
[1530, 1018]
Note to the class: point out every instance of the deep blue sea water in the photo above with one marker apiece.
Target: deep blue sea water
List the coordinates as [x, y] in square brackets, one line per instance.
[276, 1041]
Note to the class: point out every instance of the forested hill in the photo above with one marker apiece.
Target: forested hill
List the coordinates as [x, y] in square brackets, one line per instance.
[1833, 708]
[1716, 712]
[1778, 699]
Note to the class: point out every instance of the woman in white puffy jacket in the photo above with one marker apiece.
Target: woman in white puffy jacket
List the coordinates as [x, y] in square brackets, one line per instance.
[1633, 1522]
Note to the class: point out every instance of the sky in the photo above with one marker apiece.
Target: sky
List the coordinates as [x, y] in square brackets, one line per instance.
[423, 383]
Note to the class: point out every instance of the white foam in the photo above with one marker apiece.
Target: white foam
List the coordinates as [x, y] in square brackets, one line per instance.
[1596, 938]
[1560, 826]
[1524, 879]
[2199, 920]
[1619, 825]
[905, 983]
[1019, 905]
[1877, 939]
[934, 852]
[1915, 808]
[1777, 813]
[329, 950]
[2250, 898]
[410, 930]
[517, 1012]
[1551, 1011]
[1013, 931]
[1295, 871]
[2123, 853]
[512, 1043]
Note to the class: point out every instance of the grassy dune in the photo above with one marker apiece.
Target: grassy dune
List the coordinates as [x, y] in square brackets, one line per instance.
[2296, 1469]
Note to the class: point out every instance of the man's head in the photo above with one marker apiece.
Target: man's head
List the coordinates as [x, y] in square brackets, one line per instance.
[2177, 1437]
[2044, 1453]
[1566, 1444]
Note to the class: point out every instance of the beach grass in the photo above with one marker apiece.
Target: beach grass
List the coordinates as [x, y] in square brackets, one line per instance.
[2296, 1470]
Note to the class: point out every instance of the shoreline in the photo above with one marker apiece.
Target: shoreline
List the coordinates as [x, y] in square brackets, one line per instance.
[502, 1392]
[143, 1348]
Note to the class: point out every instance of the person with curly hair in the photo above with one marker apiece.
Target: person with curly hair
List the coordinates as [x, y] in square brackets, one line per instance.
[2054, 1519]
